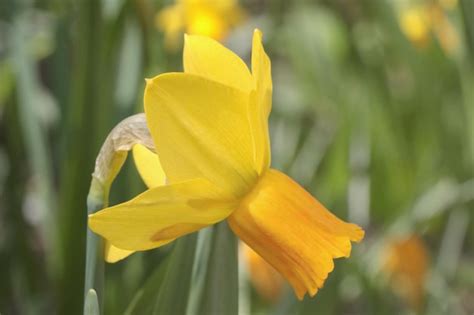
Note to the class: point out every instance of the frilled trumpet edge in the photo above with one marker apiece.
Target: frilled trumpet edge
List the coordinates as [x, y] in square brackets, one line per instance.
[292, 231]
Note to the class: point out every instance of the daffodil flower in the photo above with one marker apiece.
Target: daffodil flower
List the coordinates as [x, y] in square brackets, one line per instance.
[210, 130]
[213, 18]
[420, 22]
[408, 280]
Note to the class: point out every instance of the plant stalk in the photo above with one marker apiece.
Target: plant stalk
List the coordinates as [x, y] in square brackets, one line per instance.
[97, 199]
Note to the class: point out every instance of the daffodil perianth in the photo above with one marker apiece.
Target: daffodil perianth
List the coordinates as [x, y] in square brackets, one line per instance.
[210, 130]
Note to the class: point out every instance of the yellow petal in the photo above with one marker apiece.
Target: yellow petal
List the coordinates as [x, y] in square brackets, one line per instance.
[149, 166]
[114, 254]
[205, 57]
[292, 231]
[262, 102]
[201, 129]
[150, 170]
[262, 73]
[161, 214]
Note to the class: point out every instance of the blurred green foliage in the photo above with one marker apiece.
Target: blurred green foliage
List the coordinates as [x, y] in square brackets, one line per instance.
[380, 129]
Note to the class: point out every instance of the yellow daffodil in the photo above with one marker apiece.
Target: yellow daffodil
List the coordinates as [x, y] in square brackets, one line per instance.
[199, 17]
[414, 23]
[265, 279]
[406, 263]
[420, 22]
[210, 130]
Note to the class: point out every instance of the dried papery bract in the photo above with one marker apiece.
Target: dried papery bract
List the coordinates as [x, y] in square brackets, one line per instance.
[129, 132]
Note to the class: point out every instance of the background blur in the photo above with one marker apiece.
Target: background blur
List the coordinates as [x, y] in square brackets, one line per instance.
[373, 112]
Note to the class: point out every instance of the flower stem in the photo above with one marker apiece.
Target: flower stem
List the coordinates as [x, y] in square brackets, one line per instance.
[94, 278]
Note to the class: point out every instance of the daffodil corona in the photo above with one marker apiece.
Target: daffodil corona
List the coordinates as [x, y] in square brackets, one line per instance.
[210, 130]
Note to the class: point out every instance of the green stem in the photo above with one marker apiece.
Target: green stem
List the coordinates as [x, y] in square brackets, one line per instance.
[110, 159]
[97, 199]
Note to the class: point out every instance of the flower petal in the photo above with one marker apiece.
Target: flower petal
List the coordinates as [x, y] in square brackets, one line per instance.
[262, 99]
[114, 254]
[262, 73]
[149, 166]
[201, 129]
[290, 229]
[161, 214]
[206, 57]
[152, 173]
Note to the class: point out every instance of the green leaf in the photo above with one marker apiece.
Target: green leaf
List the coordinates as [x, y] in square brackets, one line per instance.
[174, 291]
[144, 300]
[91, 304]
[203, 249]
[167, 289]
[220, 290]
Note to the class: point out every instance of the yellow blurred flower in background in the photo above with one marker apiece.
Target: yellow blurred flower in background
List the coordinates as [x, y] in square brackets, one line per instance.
[406, 261]
[422, 20]
[198, 17]
[210, 129]
[265, 279]
[448, 4]
[414, 23]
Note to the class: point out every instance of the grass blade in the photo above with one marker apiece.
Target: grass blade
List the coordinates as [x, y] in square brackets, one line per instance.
[174, 290]
[220, 293]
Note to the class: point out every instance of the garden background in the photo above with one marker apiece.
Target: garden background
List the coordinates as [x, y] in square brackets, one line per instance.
[373, 112]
